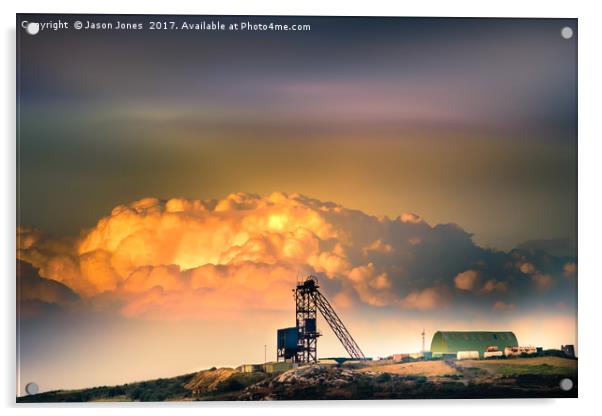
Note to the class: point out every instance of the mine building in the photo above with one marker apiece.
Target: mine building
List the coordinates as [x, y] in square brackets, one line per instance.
[447, 344]
[568, 350]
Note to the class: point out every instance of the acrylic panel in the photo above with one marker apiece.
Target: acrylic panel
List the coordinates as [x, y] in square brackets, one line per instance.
[295, 208]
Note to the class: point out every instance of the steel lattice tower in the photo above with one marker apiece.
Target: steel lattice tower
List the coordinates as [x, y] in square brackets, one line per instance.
[306, 314]
[308, 301]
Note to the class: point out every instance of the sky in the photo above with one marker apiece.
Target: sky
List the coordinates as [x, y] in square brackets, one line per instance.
[173, 182]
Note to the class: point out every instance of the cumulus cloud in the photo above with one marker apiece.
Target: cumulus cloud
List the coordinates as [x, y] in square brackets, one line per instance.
[493, 285]
[192, 258]
[570, 269]
[429, 298]
[543, 281]
[471, 280]
[37, 295]
[466, 280]
[32, 287]
[527, 268]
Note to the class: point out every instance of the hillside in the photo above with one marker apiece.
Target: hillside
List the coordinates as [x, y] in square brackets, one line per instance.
[504, 378]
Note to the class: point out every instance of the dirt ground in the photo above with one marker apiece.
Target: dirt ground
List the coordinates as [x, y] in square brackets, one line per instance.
[209, 379]
[471, 369]
[421, 368]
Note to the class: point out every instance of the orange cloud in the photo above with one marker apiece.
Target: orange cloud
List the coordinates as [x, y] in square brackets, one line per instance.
[191, 258]
[186, 255]
[493, 285]
[372, 287]
[429, 298]
[526, 268]
[207, 292]
[378, 246]
[570, 269]
[343, 300]
[466, 280]
[412, 218]
[542, 281]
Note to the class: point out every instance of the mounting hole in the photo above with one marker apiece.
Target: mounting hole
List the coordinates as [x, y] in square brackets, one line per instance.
[566, 384]
[566, 32]
[32, 28]
[32, 388]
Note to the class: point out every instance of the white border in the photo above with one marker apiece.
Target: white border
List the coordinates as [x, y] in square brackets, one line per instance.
[590, 209]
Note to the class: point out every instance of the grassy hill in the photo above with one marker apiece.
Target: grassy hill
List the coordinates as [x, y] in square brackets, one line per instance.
[146, 391]
[499, 378]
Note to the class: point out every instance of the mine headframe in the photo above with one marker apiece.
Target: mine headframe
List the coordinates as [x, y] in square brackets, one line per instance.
[308, 301]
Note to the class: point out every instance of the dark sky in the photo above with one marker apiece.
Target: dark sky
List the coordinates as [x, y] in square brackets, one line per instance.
[470, 121]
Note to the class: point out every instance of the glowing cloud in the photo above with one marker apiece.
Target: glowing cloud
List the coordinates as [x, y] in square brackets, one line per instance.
[570, 269]
[429, 298]
[466, 280]
[191, 258]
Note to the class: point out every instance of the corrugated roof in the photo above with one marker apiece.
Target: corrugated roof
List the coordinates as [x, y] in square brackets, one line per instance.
[454, 341]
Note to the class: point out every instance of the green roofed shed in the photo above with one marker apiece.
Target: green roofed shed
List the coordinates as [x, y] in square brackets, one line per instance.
[450, 342]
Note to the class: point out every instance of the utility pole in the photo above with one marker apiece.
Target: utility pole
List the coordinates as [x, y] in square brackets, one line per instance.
[423, 340]
[265, 353]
